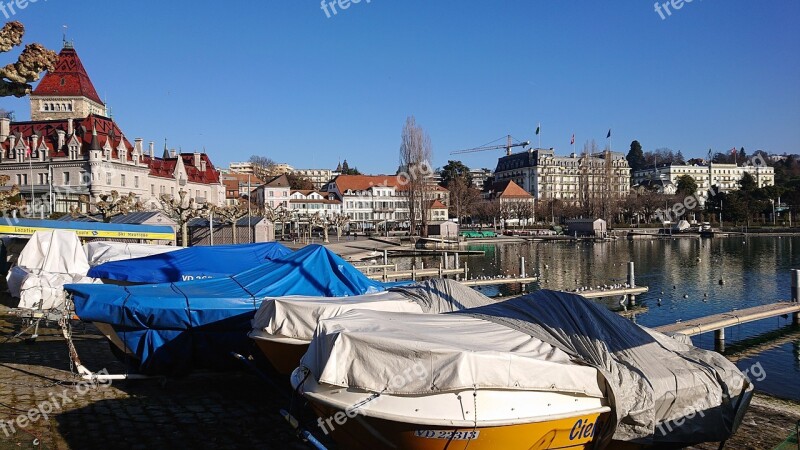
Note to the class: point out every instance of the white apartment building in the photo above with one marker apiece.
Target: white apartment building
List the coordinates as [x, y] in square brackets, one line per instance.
[306, 203]
[319, 177]
[725, 176]
[545, 175]
[375, 201]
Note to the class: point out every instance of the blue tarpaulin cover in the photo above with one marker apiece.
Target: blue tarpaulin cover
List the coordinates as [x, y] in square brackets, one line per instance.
[193, 263]
[172, 328]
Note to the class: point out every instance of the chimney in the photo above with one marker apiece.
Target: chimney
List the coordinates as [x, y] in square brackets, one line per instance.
[5, 128]
[202, 165]
[61, 139]
[197, 159]
[152, 149]
[173, 153]
[12, 140]
[138, 145]
[70, 128]
[34, 141]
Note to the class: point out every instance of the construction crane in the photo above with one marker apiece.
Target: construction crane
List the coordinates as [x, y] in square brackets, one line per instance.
[508, 146]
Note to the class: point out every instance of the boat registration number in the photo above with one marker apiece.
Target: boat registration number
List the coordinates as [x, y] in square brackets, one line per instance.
[449, 435]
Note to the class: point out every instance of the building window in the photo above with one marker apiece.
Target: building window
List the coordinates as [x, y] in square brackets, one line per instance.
[108, 178]
[152, 189]
[65, 178]
[122, 180]
[136, 182]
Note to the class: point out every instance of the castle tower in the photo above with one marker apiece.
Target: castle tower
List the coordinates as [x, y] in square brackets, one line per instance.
[66, 92]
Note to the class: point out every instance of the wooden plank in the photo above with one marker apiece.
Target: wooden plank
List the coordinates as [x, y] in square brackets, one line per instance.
[407, 274]
[613, 292]
[724, 320]
[495, 281]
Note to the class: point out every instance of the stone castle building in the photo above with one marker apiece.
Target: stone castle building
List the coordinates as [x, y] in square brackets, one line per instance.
[70, 147]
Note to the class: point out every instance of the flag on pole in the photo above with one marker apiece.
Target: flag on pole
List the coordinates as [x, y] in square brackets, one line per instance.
[572, 141]
[609, 133]
[538, 127]
[733, 151]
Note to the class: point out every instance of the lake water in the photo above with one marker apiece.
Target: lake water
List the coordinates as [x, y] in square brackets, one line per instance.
[755, 271]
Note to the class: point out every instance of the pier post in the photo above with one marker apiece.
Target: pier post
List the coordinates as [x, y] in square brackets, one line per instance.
[385, 257]
[719, 340]
[796, 293]
[631, 275]
[446, 262]
[466, 271]
[458, 264]
[522, 267]
[631, 283]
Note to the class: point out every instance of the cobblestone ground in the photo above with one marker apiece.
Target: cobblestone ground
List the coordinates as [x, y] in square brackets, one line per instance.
[214, 411]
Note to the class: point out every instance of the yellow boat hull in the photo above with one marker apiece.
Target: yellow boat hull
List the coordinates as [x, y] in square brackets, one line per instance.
[369, 433]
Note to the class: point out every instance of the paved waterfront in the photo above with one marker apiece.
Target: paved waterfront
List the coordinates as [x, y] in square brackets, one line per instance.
[219, 411]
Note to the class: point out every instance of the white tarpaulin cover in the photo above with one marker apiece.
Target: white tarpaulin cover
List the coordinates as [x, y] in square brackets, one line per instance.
[297, 316]
[661, 389]
[99, 252]
[49, 260]
[366, 349]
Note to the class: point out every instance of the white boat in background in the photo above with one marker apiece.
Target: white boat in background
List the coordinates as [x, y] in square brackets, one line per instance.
[284, 326]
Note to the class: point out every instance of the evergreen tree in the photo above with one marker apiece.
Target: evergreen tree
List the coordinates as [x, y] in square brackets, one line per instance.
[635, 157]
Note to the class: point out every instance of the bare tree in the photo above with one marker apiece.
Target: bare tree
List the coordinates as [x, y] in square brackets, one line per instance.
[339, 221]
[263, 167]
[15, 78]
[109, 206]
[231, 214]
[463, 198]
[182, 211]
[415, 168]
[319, 220]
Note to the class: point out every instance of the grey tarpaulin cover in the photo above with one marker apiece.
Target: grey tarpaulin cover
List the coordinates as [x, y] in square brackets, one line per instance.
[663, 391]
[440, 295]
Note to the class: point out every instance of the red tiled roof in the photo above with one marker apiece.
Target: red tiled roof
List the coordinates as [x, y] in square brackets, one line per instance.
[363, 182]
[47, 130]
[436, 204]
[164, 168]
[509, 189]
[69, 79]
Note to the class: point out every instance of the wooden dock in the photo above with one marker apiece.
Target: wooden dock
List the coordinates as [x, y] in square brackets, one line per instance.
[728, 319]
[718, 322]
[413, 274]
[600, 293]
[496, 281]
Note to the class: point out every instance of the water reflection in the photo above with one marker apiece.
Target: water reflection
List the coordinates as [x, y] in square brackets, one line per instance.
[693, 277]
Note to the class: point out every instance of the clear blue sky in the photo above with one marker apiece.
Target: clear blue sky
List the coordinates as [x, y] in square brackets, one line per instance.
[279, 78]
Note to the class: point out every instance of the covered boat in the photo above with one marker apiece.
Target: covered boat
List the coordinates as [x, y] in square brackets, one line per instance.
[284, 326]
[544, 371]
[49, 260]
[172, 328]
[193, 263]
[99, 252]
